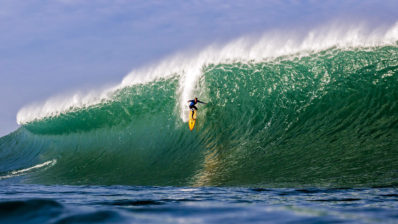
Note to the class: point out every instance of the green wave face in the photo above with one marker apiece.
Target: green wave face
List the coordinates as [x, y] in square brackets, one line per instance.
[328, 119]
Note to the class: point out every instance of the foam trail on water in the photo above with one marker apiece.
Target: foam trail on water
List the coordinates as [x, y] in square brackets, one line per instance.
[26, 170]
[189, 66]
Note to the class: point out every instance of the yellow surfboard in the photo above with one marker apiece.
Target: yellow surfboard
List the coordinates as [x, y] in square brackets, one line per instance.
[192, 121]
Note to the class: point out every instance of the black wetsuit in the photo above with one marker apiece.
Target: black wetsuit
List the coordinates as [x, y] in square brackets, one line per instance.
[192, 104]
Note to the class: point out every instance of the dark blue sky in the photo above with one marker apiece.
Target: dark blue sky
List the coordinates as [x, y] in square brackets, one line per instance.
[49, 47]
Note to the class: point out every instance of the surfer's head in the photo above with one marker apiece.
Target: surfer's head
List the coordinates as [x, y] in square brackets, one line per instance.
[196, 99]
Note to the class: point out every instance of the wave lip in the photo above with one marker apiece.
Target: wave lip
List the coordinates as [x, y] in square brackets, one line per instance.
[190, 66]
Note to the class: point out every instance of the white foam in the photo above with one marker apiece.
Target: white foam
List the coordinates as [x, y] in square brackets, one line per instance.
[60, 104]
[189, 65]
[26, 170]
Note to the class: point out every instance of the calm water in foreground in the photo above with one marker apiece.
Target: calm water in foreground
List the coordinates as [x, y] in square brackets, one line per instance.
[126, 204]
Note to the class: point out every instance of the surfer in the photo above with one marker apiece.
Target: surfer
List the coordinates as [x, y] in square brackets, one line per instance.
[192, 104]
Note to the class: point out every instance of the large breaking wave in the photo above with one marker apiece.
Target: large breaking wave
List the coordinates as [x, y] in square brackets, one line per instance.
[319, 109]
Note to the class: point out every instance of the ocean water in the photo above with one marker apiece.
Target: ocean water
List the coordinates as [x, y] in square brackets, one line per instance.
[128, 204]
[296, 129]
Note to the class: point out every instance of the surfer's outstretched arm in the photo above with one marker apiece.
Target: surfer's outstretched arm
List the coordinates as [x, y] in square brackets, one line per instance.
[201, 102]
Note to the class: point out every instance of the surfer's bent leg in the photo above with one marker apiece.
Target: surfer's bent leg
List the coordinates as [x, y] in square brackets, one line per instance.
[193, 108]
